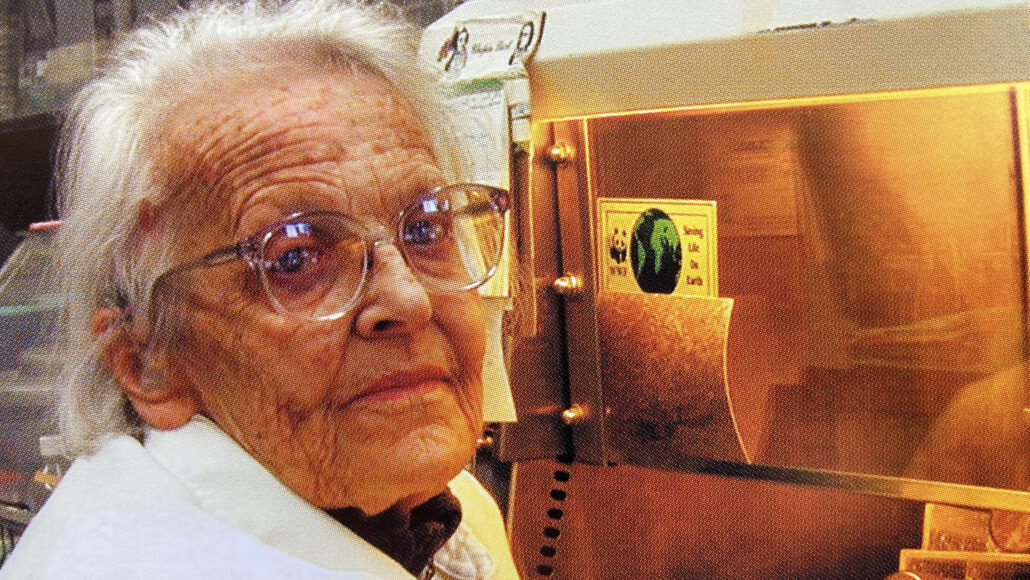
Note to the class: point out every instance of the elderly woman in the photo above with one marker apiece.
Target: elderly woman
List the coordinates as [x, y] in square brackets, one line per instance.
[275, 342]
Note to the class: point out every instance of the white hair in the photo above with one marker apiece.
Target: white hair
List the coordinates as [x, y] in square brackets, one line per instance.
[106, 177]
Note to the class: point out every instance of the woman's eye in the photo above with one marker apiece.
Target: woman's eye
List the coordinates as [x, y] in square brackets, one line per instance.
[294, 260]
[424, 232]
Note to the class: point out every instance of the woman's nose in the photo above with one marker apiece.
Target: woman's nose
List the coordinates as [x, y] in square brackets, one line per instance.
[395, 302]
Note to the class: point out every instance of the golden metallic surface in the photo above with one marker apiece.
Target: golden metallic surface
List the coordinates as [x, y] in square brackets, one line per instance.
[921, 490]
[871, 244]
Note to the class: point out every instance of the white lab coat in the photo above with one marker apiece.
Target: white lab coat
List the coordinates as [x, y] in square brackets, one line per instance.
[191, 503]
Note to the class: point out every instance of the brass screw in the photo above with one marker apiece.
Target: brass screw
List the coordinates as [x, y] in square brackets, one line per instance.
[574, 415]
[568, 285]
[560, 153]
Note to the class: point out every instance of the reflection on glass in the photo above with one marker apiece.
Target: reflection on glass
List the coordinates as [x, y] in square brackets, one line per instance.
[875, 252]
[12, 45]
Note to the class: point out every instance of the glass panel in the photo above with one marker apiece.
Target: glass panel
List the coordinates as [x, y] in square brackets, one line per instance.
[875, 251]
[27, 373]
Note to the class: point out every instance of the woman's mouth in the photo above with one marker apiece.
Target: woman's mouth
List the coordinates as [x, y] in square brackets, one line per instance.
[401, 385]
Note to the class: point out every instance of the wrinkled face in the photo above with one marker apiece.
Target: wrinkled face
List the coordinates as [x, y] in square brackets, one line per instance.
[379, 407]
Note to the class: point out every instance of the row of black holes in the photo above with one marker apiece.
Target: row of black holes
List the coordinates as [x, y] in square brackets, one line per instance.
[555, 514]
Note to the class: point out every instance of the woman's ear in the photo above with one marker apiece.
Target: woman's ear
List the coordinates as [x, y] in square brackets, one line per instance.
[162, 404]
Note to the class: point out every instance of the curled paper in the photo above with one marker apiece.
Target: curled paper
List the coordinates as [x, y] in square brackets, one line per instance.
[663, 374]
[498, 404]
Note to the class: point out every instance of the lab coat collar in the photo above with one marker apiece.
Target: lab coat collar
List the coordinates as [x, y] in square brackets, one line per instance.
[235, 488]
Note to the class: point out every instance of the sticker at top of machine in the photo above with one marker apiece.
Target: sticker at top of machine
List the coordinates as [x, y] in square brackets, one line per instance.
[657, 246]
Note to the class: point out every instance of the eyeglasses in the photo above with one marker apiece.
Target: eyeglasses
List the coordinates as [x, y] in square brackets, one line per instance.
[316, 265]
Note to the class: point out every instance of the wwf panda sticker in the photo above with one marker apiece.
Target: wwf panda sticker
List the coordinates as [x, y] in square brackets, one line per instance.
[658, 246]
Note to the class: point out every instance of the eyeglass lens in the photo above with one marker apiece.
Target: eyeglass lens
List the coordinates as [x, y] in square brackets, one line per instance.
[452, 240]
[316, 265]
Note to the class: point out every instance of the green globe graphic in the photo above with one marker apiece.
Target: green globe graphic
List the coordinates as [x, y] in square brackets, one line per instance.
[655, 252]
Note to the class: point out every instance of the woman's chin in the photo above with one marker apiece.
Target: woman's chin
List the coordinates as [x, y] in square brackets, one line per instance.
[413, 468]
[432, 463]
